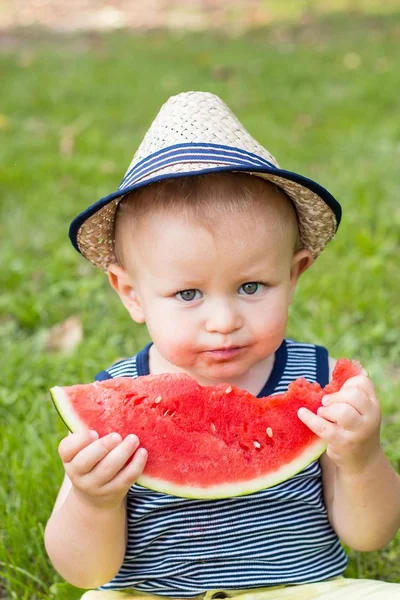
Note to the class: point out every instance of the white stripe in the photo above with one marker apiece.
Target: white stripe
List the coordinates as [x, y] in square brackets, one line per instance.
[162, 164]
[192, 153]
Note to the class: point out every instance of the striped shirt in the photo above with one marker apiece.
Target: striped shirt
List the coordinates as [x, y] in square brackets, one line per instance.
[181, 548]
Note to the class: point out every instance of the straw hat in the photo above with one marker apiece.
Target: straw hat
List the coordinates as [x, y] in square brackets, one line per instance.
[195, 132]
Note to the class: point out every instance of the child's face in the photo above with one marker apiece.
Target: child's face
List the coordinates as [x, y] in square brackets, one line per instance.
[215, 303]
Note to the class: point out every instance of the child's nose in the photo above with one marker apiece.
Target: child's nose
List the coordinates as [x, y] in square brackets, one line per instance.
[223, 318]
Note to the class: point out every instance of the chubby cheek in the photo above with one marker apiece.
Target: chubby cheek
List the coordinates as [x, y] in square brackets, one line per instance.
[174, 340]
[271, 325]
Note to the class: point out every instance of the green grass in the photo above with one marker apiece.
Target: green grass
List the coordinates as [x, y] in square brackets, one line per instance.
[322, 96]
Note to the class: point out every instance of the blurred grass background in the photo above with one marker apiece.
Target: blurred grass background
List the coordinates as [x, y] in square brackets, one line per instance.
[317, 84]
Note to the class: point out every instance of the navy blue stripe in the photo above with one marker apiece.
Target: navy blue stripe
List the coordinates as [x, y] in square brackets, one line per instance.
[193, 153]
[322, 366]
[196, 148]
[143, 360]
[276, 373]
[225, 162]
[150, 164]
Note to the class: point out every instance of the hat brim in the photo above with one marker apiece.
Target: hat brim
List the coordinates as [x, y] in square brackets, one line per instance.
[295, 185]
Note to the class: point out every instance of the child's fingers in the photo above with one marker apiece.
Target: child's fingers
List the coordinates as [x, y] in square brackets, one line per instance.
[362, 383]
[74, 443]
[345, 415]
[85, 460]
[353, 396]
[321, 427]
[114, 461]
[129, 474]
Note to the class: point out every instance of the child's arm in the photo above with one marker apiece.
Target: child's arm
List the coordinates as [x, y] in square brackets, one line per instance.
[85, 536]
[361, 488]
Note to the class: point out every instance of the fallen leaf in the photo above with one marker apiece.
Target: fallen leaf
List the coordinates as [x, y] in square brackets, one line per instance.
[383, 64]
[26, 59]
[352, 61]
[67, 141]
[4, 121]
[65, 337]
[304, 121]
[222, 73]
[108, 166]
[69, 133]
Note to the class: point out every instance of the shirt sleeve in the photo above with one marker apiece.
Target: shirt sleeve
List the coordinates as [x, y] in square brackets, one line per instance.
[322, 365]
[102, 376]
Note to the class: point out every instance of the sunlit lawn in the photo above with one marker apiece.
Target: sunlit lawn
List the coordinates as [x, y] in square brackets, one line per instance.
[322, 97]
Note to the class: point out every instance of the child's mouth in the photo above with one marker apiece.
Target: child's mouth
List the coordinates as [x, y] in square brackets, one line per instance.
[224, 353]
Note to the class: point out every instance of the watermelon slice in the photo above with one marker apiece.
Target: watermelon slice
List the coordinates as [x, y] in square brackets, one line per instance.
[204, 442]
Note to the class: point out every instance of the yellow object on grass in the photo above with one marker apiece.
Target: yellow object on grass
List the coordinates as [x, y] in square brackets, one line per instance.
[339, 588]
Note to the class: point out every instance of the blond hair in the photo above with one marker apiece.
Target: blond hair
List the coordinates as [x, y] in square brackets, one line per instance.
[203, 199]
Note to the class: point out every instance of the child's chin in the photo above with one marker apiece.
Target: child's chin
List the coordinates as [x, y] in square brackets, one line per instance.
[223, 371]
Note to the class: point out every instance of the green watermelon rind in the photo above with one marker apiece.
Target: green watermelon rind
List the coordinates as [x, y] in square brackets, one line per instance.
[67, 414]
[243, 488]
[219, 491]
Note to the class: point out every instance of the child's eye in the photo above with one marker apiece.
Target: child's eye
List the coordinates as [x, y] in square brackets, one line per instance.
[188, 295]
[251, 287]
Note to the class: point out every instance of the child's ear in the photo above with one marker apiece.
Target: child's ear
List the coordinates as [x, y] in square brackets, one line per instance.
[124, 285]
[302, 260]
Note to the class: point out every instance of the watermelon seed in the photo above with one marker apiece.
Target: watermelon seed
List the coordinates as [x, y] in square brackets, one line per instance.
[269, 432]
[228, 389]
[257, 444]
[165, 414]
[158, 399]
[213, 428]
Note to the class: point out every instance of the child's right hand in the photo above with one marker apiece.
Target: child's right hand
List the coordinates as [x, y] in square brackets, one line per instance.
[97, 467]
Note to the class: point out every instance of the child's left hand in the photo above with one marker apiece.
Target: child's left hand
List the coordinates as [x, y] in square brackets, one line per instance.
[349, 422]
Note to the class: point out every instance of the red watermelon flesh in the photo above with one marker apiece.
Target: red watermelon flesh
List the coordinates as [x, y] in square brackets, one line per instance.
[204, 442]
